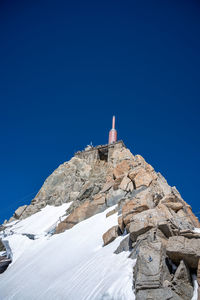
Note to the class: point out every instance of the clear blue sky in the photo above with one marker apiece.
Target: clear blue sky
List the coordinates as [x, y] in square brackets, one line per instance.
[67, 66]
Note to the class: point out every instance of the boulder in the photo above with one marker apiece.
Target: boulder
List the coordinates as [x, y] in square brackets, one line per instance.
[99, 199]
[181, 248]
[173, 202]
[111, 235]
[126, 184]
[125, 245]
[144, 221]
[141, 177]
[150, 266]
[132, 207]
[175, 206]
[107, 185]
[121, 169]
[181, 283]
[82, 212]
[165, 227]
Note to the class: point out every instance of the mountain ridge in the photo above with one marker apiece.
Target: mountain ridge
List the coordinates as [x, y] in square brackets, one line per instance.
[154, 226]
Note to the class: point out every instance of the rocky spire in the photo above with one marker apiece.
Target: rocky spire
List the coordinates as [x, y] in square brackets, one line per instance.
[158, 226]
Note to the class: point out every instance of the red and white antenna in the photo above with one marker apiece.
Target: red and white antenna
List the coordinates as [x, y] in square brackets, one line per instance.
[112, 133]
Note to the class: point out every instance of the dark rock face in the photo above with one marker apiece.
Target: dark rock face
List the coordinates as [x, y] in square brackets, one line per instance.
[4, 263]
[125, 245]
[2, 247]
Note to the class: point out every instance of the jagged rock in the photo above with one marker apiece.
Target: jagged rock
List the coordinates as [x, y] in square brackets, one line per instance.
[86, 191]
[181, 248]
[132, 207]
[111, 235]
[125, 245]
[99, 199]
[191, 217]
[117, 182]
[175, 206]
[120, 154]
[114, 197]
[121, 169]
[144, 221]
[82, 212]
[69, 178]
[142, 177]
[164, 226]
[4, 263]
[19, 211]
[107, 185]
[150, 269]
[173, 202]
[163, 185]
[126, 184]
[182, 284]
[121, 224]
[139, 160]
[2, 248]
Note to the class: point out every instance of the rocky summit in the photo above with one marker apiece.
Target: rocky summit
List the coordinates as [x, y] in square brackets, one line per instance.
[147, 237]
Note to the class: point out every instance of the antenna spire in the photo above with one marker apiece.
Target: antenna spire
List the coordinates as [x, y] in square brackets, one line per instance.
[113, 122]
[112, 133]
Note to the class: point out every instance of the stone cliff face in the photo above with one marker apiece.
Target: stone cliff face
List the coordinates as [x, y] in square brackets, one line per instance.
[158, 223]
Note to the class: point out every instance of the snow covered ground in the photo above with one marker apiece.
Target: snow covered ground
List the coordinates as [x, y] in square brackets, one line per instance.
[72, 266]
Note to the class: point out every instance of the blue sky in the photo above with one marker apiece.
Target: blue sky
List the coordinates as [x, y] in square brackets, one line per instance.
[67, 66]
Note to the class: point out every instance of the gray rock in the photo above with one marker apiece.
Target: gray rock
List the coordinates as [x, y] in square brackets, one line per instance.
[142, 222]
[2, 248]
[150, 266]
[125, 245]
[181, 283]
[181, 248]
[19, 211]
[114, 197]
[157, 294]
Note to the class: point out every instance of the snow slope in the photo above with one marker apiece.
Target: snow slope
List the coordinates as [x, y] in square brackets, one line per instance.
[40, 223]
[71, 266]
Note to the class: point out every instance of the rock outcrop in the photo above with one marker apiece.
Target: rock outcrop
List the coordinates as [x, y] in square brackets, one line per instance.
[157, 223]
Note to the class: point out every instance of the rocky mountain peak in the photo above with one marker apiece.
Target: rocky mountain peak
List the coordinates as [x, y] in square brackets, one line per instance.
[157, 224]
